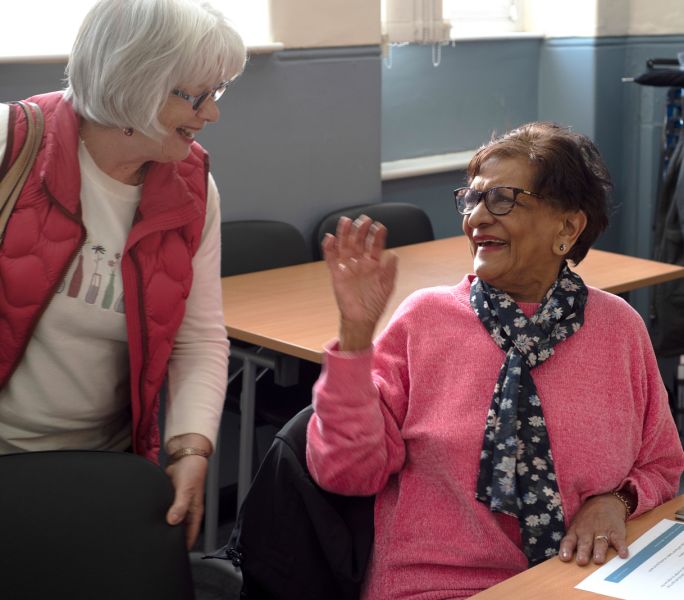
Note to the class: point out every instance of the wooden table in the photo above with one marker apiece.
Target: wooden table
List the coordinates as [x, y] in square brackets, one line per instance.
[556, 580]
[292, 310]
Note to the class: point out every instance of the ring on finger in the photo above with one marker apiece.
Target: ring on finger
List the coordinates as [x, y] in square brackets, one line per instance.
[601, 537]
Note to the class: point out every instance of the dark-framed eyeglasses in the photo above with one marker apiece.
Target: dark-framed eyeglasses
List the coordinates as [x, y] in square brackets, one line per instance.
[197, 101]
[498, 200]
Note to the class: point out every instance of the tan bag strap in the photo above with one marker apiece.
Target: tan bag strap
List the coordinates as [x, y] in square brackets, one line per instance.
[13, 181]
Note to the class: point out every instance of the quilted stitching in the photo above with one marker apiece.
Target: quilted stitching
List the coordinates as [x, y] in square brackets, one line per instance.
[45, 232]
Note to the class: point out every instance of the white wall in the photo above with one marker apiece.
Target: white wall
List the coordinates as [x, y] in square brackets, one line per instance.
[325, 23]
[648, 17]
[588, 18]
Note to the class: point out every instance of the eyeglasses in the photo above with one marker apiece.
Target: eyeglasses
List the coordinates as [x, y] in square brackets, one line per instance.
[498, 200]
[197, 101]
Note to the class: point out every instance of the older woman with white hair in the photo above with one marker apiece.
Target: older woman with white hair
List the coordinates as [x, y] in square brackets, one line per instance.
[109, 265]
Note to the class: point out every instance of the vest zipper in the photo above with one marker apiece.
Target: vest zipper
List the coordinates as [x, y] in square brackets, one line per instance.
[74, 254]
[143, 335]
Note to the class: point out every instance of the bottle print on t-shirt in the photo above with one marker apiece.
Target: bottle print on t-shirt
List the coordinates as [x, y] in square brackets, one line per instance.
[95, 278]
[86, 268]
[109, 292]
[77, 276]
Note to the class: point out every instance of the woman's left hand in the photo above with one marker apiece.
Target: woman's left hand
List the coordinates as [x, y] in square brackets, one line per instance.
[599, 524]
[188, 475]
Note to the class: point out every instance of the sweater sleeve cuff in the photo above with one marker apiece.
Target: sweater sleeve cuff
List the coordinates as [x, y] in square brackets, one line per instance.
[332, 349]
[345, 372]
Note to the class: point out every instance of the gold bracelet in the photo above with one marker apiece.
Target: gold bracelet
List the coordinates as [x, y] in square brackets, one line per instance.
[625, 500]
[190, 451]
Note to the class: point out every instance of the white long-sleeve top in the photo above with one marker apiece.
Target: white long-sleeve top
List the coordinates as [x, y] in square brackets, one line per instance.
[71, 388]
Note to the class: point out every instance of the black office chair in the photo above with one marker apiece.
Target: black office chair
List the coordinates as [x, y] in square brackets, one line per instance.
[293, 539]
[406, 224]
[247, 247]
[84, 525]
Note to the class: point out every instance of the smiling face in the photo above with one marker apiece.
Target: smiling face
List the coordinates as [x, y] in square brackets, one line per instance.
[183, 123]
[519, 252]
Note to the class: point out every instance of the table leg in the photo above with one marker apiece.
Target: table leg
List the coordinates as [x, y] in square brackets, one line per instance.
[246, 428]
[250, 361]
[211, 501]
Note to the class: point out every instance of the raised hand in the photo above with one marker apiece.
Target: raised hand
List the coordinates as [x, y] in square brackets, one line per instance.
[362, 277]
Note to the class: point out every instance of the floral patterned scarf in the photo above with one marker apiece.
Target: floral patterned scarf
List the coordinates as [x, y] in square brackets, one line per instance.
[517, 475]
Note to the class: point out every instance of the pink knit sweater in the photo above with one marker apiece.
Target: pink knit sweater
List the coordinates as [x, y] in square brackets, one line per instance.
[406, 420]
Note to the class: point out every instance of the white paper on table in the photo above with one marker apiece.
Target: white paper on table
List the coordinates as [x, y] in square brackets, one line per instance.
[653, 570]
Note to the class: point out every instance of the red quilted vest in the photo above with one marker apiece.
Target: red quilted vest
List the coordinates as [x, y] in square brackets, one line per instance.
[45, 232]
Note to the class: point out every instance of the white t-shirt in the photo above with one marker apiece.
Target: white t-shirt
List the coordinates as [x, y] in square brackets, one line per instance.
[71, 388]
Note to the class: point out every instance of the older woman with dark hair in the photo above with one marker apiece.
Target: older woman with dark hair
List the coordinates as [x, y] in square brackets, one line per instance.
[109, 266]
[514, 416]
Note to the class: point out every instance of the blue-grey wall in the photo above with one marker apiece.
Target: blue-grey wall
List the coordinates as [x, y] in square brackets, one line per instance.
[484, 86]
[480, 87]
[299, 134]
[303, 132]
[580, 83]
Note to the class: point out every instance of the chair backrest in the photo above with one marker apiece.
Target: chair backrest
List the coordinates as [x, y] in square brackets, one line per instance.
[84, 525]
[248, 246]
[293, 539]
[406, 223]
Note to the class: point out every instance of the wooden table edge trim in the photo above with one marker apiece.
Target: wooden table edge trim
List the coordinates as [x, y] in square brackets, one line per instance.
[275, 345]
[548, 582]
[646, 282]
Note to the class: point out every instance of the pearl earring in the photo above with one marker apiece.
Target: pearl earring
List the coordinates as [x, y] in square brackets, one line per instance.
[128, 131]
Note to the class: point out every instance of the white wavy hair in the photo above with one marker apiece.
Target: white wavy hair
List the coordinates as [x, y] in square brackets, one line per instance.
[130, 54]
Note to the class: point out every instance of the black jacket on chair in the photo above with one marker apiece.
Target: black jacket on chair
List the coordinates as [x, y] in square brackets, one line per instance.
[293, 540]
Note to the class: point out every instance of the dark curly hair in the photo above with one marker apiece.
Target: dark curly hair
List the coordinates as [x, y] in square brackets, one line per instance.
[569, 172]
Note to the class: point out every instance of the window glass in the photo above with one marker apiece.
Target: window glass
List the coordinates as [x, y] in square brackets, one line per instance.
[438, 20]
[481, 17]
